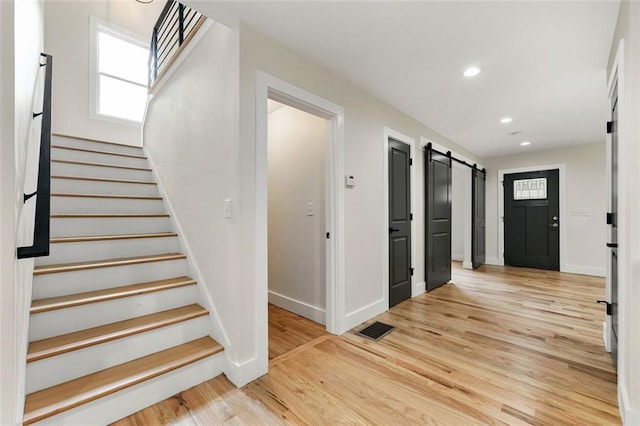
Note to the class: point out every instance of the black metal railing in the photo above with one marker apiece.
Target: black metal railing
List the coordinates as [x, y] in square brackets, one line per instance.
[40, 246]
[174, 28]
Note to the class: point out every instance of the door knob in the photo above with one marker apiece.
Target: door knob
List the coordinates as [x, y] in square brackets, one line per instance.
[555, 225]
[555, 218]
[392, 230]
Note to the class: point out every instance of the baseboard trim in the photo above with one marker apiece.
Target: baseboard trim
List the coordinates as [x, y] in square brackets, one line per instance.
[493, 261]
[298, 307]
[363, 314]
[467, 265]
[629, 415]
[418, 289]
[457, 257]
[585, 270]
[245, 372]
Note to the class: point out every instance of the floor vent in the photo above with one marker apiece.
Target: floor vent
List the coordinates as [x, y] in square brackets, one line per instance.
[376, 331]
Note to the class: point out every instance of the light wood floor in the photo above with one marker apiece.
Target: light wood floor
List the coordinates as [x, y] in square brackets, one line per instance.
[500, 345]
[288, 331]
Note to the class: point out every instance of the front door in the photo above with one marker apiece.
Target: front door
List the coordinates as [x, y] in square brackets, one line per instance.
[438, 218]
[399, 222]
[478, 183]
[612, 220]
[532, 220]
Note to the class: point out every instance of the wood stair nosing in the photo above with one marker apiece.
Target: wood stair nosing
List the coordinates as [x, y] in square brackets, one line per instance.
[57, 345]
[106, 215]
[100, 179]
[88, 163]
[57, 399]
[92, 238]
[96, 151]
[77, 299]
[108, 196]
[108, 263]
[80, 138]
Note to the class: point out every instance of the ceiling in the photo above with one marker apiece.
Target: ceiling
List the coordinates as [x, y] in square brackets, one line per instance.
[543, 63]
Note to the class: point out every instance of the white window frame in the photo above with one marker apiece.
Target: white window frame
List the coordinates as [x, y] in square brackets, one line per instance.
[95, 25]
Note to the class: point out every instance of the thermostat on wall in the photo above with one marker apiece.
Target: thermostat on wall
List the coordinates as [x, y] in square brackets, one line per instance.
[349, 181]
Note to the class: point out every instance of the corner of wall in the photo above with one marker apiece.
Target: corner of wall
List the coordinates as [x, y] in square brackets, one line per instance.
[630, 415]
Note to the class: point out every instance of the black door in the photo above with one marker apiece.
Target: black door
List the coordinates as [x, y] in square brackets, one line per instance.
[612, 220]
[399, 222]
[438, 218]
[531, 220]
[478, 183]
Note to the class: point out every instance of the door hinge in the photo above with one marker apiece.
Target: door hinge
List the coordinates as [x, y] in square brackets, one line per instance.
[410, 216]
[610, 218]
[328, 235]
[411, 271]
[609, 306]
[609, 127]
[411, 161]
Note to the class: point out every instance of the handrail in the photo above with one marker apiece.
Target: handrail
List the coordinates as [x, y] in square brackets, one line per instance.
[174, 28]
[40, 246]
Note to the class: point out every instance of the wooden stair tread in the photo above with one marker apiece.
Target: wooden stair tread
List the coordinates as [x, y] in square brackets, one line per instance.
[88, 163]
[90, 238]
[112, 196]
[54, 400]
[105, 215]
[98, 179]
[70, 300]
[93, 336]
[93, 264]
[96, 151]
[61, 135]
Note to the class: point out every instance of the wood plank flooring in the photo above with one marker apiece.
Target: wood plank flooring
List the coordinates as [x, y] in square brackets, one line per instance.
[288, 331]
[499, 345]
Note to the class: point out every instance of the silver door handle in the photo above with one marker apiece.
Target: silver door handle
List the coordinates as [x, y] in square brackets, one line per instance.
[555, 225]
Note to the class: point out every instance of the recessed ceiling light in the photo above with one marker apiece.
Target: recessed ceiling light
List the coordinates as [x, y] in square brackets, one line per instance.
[506, 120]
[471, 71]
[525, 143]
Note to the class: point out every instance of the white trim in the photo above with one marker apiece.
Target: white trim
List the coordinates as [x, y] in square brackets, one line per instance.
[457, 257]
[217, 327]
[615, 78]
[244, 372]
[494, 261]
[469, 265]
[95, 25]
[365, 313]
[629, 416]
[270, 87]
[390, 133]
[586, 270]
[306, 310]
[562, 186]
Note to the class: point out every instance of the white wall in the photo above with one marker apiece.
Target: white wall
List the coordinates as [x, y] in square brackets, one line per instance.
[585, 189]
[190, 136]
[628, 28]
[296, 240]
[460, 188]
[20, 47]
[67, 39]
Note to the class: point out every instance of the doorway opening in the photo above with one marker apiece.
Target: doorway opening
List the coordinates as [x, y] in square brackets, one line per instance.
[269, 87]
[296, 227]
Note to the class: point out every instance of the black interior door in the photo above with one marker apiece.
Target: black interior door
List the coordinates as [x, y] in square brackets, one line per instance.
[478, 191]
[399, 222]
[438, 218]
[613, 226]
[531, 220]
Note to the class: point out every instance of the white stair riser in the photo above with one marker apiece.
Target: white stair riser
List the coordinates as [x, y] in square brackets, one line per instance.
[74, 186]
[71, 365]
[68, 169]
[64, 283]
[94, 157]
[78, 205]
[77, 143]
[128, 401]
[111, 249]
[62, 321]
[72, 227]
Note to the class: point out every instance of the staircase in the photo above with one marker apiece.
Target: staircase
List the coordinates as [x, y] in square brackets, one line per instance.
[115, 325]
